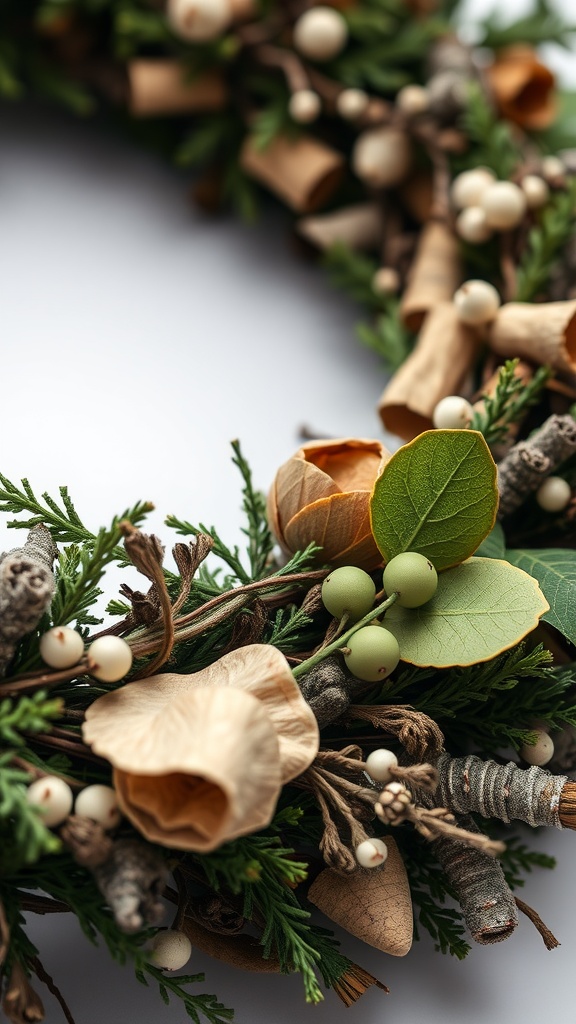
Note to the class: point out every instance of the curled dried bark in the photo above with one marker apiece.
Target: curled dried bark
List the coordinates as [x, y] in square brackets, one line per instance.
[132, 881]
[26, 589]
[327, 690]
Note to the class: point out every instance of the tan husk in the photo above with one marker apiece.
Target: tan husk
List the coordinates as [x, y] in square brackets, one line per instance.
[445, 352]
[434, 275]
[523, 88]
[374, 905]
[303, 172]
[162, 88]
[322, 494]
[544, 333]
[201, 758]
[358, 226]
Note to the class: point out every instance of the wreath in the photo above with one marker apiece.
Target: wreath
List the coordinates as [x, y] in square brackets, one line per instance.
[348, 714]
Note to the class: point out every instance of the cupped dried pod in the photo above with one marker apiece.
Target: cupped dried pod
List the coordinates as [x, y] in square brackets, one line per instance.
[200, 759]
[523, 87]
[374, 906]
[322, 494]
[303, 172]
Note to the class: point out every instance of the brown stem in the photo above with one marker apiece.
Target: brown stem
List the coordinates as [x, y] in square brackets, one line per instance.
[42, 975]
[146, 554]
[4, 934]
[508, 266]
[42, 904]
[286, 61]
[550, 940]
[42, 680]
[37, 773]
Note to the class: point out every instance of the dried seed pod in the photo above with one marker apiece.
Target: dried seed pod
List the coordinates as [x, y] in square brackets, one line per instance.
[303, 172]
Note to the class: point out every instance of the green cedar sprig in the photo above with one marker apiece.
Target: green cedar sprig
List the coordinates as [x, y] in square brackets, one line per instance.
[545, 243]
[32, 713]
[492, 142]
[543, 25]
[23, 836]
[510, 401]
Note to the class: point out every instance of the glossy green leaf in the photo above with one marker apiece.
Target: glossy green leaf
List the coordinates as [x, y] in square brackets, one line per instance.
[494, 545]
[437, 495]
[481, 608]
[555, 570]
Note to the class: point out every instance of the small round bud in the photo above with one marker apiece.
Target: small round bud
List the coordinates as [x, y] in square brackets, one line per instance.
[539, 753]
[386, 281]
[393, 802]
[412, 100]
[171, 950]
[99, 803]
[536, 191]
[471, 225]
[199, 21]
[321, 33]
[452, 413]
[372, 853]
[381, 157]
[373, 653]
[469, 187]
[54, 798]
[304, 106]
[413, 577]
[352, 103]
[554, 494]
[109, 659]
[552, 168]
[379, 763]
[476, 302]
[61, 647]
[348, 591]
[504, 204]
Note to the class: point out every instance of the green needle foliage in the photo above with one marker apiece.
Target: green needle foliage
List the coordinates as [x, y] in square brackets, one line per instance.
[545, 243]
[510, 401]
[492, 142]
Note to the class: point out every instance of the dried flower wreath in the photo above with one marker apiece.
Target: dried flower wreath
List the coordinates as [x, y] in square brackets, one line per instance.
[295, 732]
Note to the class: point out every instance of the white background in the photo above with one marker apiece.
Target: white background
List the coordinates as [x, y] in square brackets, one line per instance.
[139, 338]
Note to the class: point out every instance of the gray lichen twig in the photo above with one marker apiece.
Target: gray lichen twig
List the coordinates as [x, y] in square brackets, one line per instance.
[26, 590]
[529, 462]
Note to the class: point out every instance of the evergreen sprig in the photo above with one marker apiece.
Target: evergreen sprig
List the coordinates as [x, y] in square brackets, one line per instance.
[492, 141]
[512, 398]
[23, 836]
[32, 713]
[545, 243]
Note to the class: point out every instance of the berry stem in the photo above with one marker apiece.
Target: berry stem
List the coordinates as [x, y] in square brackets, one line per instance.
[340, 641]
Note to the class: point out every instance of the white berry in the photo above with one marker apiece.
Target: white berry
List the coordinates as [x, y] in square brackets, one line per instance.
[352, 103]
[504, 204]
[536, 191]
[304, 106]
[379, 763]
[386, 281]
[99, 803]
[471, 225]
[109, 659]
[54, 798]
[381, 157]
[554, 494]
[371, 853]
[552, 168]
[412, 100]
[539, 753]
[171, 950]
[476, 302]
[199, 21]
[321, 33]
[469, 187]
[452, 413]
[61, 647]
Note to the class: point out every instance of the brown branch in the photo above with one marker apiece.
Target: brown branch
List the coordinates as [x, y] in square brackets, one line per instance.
[42, 975]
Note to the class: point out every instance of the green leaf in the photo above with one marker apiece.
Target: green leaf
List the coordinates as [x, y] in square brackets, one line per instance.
[437, 495]
[481, 608]
[555, 570]
[494, 545]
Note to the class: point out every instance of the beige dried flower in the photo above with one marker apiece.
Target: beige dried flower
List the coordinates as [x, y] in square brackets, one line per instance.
[322, 494]
[200, 759]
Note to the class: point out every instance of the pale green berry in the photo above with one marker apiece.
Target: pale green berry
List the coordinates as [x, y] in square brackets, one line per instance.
[413, 577]
[348, 591]
[373, 653]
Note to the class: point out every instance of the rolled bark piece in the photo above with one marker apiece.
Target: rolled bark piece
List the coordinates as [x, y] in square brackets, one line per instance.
[417, 195]
[483, 893]
[544, 333]
[302, 172]
[444, 353]
[243, 10]
[358, 226]
[374, 906]
[160, 88]
[434, 276]
[529, 463]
